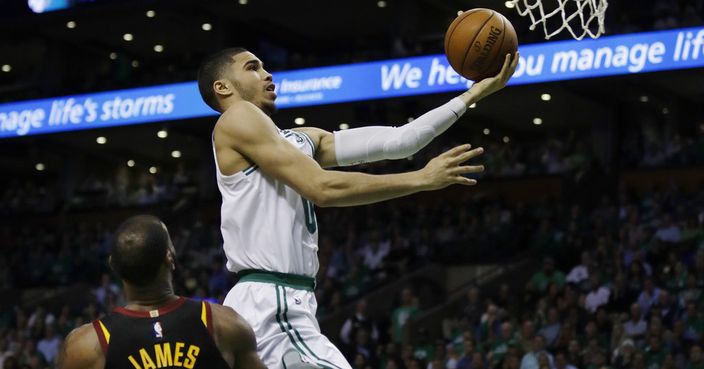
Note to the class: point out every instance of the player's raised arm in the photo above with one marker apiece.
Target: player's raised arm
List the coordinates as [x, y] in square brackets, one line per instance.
[375, 143]
[247, 130]
[81, 350]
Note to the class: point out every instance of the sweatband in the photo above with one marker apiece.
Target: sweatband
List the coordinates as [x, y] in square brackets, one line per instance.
[374, 143]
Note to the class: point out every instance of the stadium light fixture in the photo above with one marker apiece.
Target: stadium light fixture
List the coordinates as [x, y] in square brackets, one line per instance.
[344, 126]
[135, 63]
[206, 27]
[158, 48]
[152, 170]
[6, 68]
[40, 167]
[151, 13]
[113, 55]
[243, 2]
[176, 154]
[130, 163]
[486, 131]
[71, 24]
[299, 121]
[644, 99]
[101, 140]
[381, 4]
[537, 121]
[506, 139]
[162, 133]
[474, 105]
[509, 4]
[546, 97]
[128, 37]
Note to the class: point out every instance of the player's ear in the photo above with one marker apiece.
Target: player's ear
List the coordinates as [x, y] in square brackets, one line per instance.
[223, 88]
[170, 258]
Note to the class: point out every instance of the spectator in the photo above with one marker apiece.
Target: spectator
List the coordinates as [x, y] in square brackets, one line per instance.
[696, 359]
[598, 295]
[635, 327]
[654, 353]
[402, 314]
[561, 361]
[531, 360]
[539, 281]
[551, 330]
[49, 345]
[500, 346]
[648, 296]
[668, 231]
[624, 355]
[580, 272]
[360, 319]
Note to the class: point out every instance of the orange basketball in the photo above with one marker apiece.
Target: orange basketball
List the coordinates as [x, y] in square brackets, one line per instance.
[477, 42]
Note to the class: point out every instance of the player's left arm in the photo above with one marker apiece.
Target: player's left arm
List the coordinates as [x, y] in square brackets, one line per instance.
[81, 350]
[235, 339]
[374, 143]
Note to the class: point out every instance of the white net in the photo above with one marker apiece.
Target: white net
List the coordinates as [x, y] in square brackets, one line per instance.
[579, 17]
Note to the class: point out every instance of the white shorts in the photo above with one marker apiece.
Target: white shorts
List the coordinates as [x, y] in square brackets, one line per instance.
[283, 319]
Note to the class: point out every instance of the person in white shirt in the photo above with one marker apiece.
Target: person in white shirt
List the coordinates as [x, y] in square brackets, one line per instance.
[668, 231]
[635, 327]
[597, 296]
[580, 273]
[49, 345]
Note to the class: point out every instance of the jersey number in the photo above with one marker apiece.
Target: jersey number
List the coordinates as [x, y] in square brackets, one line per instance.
[308, 209]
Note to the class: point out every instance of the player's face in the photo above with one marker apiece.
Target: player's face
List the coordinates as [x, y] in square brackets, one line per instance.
[253, 82]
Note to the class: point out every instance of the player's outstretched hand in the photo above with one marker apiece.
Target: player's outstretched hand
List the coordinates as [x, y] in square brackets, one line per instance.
[447, 169]
[488, 86]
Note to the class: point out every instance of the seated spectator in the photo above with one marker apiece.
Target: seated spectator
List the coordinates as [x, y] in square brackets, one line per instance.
[402, 314]
[598, 295]
[655, 353]
[624, 355]
[49, 345]
[580, 273]
[360, 319]
[540, 280]
[648, 296]
[499, 347]
[696, 359]
[635, 327]
[561, 361]
[531, 360]
[552, 327]
[668, 231]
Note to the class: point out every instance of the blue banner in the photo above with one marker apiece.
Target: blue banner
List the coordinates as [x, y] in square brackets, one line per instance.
[546, 62]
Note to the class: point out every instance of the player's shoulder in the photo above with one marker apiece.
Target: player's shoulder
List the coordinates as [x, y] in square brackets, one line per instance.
[240, 118]
[81, 349]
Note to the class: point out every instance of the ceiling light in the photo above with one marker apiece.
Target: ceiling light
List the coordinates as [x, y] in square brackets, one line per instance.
[162, 133]
[506, 139]
[509, 4]
[113, 56]
[344, 126]
[101, 140]
[71, 24]
[537, 121]
[6, 68]
[127, 37]
[40, 167]
[486, 131]
[299, 121]
[152, 170]
[474, 105]
[644, 98]
[665, 111]
[459, 12]
[176, 154]
[158, 48]
[151, 13]
[130, 163]
[206, 26]
[135, 63]
[410, 119]
[381, 4]
[545, 97]
[243, 2]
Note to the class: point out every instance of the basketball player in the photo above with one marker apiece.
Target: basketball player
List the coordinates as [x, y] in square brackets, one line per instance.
[270, 179]
[157, 329]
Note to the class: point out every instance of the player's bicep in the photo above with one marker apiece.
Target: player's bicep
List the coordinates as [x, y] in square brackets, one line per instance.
[254, 135]
[324, 145]
[236, 338]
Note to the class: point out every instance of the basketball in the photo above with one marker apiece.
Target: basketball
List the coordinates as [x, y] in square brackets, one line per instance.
[477, 41]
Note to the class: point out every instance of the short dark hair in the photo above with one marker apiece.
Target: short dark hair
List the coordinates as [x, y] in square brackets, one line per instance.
[140, 246]
[210, 70]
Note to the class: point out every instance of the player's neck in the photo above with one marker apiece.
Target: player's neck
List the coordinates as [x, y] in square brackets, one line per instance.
[149, 297]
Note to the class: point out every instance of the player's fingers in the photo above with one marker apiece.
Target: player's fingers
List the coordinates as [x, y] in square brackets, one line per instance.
[506, 66]
[453, 152]
[461, 158]
[465, 181]
[466, 169]
[514, 63]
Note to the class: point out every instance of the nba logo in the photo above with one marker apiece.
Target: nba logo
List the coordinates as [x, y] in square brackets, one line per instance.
[158, 332]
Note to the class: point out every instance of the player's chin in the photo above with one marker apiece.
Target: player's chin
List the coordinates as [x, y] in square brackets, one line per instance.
[269, 107]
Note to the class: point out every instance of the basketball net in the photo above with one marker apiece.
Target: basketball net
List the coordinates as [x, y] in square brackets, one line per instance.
[590, 14]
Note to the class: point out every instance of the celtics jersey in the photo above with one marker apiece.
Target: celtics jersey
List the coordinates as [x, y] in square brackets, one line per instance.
[178, 335]
[265, 224]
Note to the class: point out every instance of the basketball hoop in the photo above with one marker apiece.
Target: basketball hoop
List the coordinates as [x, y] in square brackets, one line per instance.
[590, 14]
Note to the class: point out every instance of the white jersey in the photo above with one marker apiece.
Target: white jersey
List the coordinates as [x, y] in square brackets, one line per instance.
[265, 224]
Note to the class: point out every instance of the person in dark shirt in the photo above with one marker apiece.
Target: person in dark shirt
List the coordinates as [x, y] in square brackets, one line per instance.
[157, 328]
